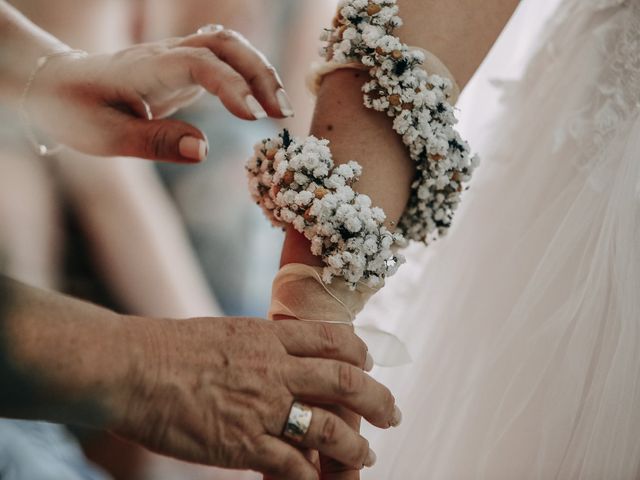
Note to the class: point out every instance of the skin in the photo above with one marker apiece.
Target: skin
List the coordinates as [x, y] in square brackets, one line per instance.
[209, 390]
[134, 233]
[96, 104]
[214, 391]
[460, 33]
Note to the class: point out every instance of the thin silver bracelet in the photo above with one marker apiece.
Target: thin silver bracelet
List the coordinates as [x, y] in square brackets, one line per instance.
[39, 147]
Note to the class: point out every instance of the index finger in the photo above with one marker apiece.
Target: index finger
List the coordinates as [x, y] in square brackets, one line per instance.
[332, 382]
[235, 50]
[323, 340]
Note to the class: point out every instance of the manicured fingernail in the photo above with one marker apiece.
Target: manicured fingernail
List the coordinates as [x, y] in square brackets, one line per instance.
[370, 461]
[397, 417]
[210, 28]
[255, 107]
[193, 148]
[368, 363]
[285, 103]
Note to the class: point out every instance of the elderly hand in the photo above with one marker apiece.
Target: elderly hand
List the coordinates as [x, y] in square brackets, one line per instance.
[218, 391]
[110, 104]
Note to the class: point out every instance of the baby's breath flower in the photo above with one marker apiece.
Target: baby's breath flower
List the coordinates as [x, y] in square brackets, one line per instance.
[296, 182]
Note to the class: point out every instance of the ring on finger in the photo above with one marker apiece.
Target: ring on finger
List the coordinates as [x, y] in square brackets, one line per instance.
[210, 28]
[298, 422]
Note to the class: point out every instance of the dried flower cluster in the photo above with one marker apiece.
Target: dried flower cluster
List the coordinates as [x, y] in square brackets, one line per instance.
[418, 103]
[296, 183]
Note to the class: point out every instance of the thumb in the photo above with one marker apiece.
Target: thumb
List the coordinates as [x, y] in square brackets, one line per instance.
[163, 140]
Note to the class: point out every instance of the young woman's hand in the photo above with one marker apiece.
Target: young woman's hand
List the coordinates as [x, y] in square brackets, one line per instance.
[113, 104]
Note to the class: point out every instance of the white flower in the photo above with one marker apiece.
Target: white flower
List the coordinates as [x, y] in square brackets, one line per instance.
[363, 201]
[353, 224]
[299, 223]
[334, 181]
[303, 198]
[335, 261]
[348, 11]
[344, 229]
[287, 215]
[388, 43]
[350, 34]
[371, 34]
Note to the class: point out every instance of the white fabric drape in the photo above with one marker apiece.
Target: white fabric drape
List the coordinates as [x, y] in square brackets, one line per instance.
[524, 323]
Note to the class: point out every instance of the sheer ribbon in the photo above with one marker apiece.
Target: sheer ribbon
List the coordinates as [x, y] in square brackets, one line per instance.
[299, 292]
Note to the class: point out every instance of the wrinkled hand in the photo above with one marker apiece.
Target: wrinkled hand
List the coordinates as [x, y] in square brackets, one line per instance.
[109, 104]
[218, 392]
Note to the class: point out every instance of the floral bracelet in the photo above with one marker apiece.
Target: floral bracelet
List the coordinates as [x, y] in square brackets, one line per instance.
[296, 182]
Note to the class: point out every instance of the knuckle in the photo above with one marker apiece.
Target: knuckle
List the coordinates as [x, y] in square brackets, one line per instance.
[267, 71]
[349, 380]
[201, 54]
[233, 78]
[156, 143]
[232, 85]
[329, 339]
[361, 348]
[227, 34]
[387, 404]
[327, 435]
[270, 70]
[361, 451]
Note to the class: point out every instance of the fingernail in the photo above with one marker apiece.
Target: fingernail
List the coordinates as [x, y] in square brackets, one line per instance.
[193, 148]
[255, 107]
[397, 417]
[210, 28]
[368, 363]
[285, 103]
[370, 461]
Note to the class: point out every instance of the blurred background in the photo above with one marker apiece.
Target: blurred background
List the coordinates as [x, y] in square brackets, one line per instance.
[143, 238]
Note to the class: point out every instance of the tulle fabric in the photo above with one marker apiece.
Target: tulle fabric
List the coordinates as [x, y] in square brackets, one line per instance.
[524, 323]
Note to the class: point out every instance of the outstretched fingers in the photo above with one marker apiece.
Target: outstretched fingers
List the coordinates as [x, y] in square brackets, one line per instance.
[334, 382]
[334, 438]
[259, 76]
[323, 340]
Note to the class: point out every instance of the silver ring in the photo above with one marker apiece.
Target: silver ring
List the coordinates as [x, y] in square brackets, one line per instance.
[298, 422]
[210, 28]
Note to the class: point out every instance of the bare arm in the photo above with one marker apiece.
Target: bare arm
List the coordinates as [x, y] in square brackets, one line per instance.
[137, 237]
[211, 390]
[22, 44]
[102, 104]
[48, 371]
[460, 33]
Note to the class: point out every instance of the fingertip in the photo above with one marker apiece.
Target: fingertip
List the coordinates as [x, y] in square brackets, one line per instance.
[371, 459]
[193, 148]
[164, 140]
[368, 363]
[257, 111]
[285, 104]
[396, 420]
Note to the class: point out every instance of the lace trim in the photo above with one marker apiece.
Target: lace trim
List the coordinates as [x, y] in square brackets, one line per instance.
[618, 93]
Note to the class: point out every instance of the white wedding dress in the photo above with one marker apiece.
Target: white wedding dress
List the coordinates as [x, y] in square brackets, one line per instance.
[524, 322]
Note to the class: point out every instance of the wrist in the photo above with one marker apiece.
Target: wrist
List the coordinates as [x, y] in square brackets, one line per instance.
[133, 395]
[66, 361]
[131, 387]
[23, 43]
[40, 95]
